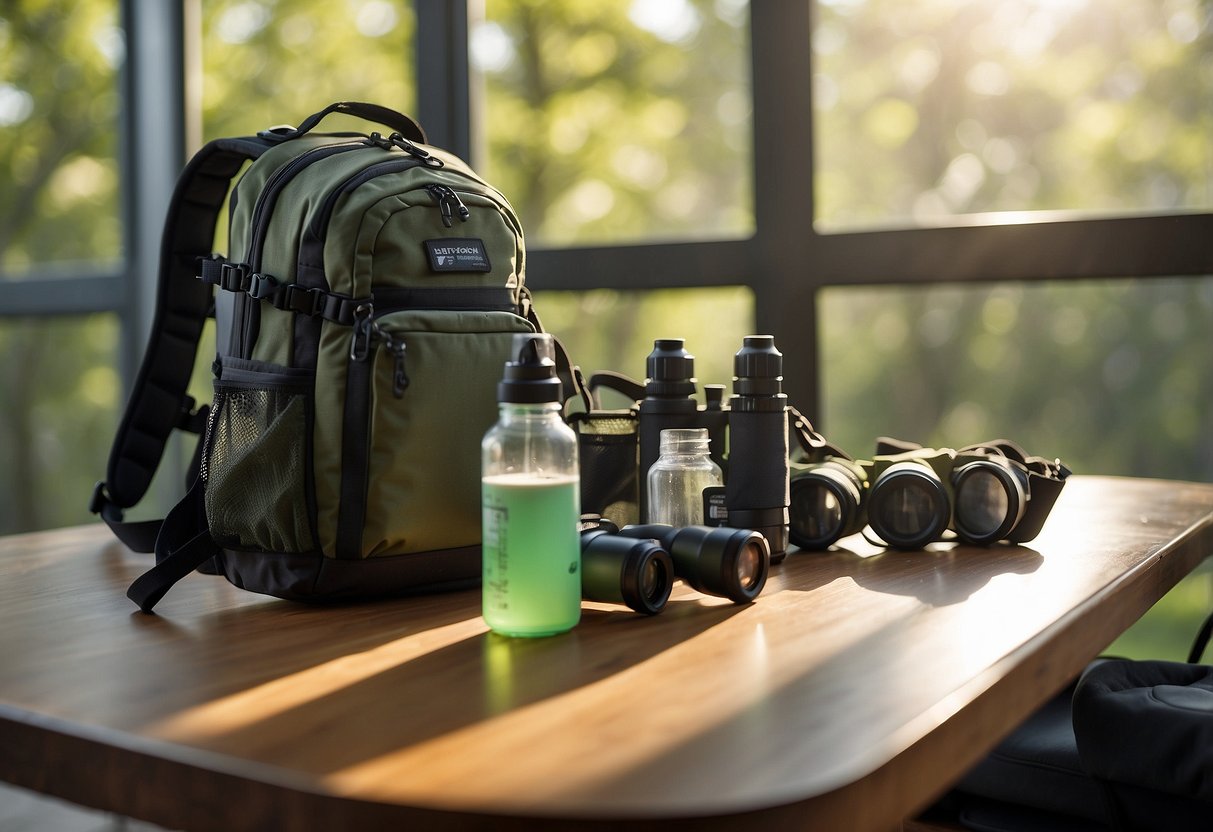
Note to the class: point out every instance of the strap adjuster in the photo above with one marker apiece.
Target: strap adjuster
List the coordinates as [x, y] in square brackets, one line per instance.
[261, 286]
[301, 299]
[100, 498]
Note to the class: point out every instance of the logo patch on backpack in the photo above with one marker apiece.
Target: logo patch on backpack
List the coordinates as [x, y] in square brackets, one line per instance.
[458, 254]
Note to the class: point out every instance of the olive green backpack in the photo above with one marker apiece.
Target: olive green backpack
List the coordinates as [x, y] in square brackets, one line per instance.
[363, 316]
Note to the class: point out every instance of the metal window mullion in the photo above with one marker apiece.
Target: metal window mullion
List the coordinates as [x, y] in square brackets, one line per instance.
[153, 154]
[783, 270]
[50, 293]
[444, 75]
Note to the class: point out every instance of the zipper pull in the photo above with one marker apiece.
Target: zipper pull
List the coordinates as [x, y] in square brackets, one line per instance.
[413, 150]
[400, 379]
[360, 341]
[449, 203]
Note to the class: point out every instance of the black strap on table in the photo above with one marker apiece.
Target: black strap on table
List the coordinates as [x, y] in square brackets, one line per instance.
[159, 403]
[1201, 641]
[187, 522]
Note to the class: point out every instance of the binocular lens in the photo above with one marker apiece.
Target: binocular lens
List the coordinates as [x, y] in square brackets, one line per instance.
[750, 569]
[824, 506]
[655, 580]
[816, 514]
[908, 506]
[989, 502]
[621, 570]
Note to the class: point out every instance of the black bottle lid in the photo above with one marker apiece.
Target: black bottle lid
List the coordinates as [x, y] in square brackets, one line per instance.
[530, 378]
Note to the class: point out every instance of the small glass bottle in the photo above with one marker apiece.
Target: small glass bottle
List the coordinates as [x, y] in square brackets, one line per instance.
[530, 502]
[679, 476]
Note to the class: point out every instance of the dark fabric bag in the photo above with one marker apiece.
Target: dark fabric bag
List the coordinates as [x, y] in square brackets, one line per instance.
[1144, 731]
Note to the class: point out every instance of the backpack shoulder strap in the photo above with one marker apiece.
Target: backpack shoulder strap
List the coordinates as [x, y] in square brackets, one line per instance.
[158, 401]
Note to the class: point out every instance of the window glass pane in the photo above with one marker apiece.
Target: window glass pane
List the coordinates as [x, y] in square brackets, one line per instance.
[59, 115]
[931, 110]
[609, 330]
[1113, 377]
[61, 395]
[618, 120]
[267, 63]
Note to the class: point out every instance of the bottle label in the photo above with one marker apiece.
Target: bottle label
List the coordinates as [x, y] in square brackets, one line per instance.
[715, 509]
[532, 553]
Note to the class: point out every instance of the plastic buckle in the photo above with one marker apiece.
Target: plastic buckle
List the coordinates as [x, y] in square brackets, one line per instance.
[234, 277]
[100, 498]
[296, 298]
[262, 286]
[210, 269]
[277, 133]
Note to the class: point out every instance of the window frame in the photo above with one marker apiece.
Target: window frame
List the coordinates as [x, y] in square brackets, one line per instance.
[785, 262]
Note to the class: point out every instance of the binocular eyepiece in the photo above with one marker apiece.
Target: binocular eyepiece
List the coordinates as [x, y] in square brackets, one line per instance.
[624, 570]
[984, 493]
[636, 565]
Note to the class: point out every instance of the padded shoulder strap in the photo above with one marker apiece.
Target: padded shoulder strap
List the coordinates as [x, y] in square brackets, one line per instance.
[158, 401]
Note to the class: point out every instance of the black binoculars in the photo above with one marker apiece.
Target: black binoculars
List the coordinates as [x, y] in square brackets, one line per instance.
[636, 565]
[753, 427]
[910, 496]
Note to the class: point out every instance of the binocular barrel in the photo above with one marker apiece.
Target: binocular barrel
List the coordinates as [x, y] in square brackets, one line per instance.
[826, 503]
[668, 403]
[715, 560]
[624, 570]
[756, 488]
[909, 506]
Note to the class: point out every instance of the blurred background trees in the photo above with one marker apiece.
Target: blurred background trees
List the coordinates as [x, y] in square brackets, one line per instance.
[630, 120]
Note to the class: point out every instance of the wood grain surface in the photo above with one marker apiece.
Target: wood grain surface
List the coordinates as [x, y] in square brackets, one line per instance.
[855, 690]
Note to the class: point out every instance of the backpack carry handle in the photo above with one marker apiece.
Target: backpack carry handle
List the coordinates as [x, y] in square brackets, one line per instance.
[402, 124]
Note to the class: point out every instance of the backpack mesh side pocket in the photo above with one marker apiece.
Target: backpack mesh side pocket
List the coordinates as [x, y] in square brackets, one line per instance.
[256, 465]
[608, 450]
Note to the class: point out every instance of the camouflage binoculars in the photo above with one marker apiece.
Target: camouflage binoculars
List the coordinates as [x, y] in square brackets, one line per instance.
[910, 496]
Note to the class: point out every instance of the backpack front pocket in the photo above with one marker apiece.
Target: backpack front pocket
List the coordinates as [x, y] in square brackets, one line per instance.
[418, 403]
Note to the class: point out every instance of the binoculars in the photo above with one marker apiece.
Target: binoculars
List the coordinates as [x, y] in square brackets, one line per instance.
[637, 565]
[754, 426]
[910, 496]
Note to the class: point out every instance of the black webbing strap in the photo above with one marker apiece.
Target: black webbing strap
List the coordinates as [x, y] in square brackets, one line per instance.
[291, 297]
[158, 402]
[1201, 641]
[569, 373]
[186, 522]
[813, 444]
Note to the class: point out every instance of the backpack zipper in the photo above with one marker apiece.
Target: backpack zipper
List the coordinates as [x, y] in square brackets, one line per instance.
[318, 228]
[449, 203]
[268, 198]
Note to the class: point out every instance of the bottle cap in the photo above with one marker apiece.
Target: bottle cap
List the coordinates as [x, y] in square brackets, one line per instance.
[530, 377]
[685, 441]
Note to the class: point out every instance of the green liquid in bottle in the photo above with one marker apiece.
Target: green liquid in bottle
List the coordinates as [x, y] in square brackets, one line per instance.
[532, 554]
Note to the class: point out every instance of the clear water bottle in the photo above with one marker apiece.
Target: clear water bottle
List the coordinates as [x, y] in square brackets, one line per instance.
[530, 501]
[677, 479]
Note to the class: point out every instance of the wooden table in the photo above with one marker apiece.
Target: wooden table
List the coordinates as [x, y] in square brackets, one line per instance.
[851, 694]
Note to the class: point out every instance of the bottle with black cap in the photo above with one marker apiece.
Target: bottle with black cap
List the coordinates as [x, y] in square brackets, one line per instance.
[530, 500]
